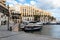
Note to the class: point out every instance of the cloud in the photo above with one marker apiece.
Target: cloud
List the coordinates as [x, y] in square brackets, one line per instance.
[54, 3]
[21, 0]
[27, 4]
[55, 12]
[11, 2]
[20, 3]
[44, 4]
[32, 2]
[10, 5]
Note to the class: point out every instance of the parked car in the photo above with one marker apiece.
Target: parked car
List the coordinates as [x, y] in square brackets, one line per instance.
[31, 27]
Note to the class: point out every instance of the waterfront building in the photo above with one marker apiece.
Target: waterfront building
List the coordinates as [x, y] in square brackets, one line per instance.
[31, 13]
[15, 18]
[15, 15]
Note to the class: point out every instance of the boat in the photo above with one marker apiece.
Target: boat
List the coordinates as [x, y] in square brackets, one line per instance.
[31, 27]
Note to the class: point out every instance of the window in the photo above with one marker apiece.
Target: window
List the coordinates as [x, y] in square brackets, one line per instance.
[24, 10]
[28, 19]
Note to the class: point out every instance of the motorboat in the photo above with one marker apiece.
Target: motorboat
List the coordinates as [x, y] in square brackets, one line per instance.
[32, 27]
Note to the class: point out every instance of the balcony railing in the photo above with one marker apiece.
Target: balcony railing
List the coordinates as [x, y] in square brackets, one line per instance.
[2, 4]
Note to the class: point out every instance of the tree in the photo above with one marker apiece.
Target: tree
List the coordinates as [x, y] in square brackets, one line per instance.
[36, 17]
[52, 18]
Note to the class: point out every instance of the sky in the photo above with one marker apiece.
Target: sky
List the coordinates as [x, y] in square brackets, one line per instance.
[52, 6]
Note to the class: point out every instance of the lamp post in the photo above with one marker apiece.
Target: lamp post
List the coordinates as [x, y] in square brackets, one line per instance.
[8, 18]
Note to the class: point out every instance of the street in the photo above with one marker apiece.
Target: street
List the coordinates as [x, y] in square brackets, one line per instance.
[27, 36]
[49, 32]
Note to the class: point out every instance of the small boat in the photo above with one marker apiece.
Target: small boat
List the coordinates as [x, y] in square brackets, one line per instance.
[31, 27]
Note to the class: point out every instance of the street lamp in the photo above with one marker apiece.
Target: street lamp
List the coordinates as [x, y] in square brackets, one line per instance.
[8, 18]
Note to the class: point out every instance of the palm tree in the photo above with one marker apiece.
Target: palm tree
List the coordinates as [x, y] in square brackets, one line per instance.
[49, 17]
[52, 18]
[36, 17]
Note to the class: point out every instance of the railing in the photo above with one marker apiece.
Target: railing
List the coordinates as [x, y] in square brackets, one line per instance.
[3, 5]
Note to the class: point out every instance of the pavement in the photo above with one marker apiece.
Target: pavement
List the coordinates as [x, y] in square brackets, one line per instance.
[10, 35]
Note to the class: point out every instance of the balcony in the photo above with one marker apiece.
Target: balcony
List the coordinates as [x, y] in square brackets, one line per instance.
[3, 5]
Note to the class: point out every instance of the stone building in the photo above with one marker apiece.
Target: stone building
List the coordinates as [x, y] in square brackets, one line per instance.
[31, 13]
[3, 12]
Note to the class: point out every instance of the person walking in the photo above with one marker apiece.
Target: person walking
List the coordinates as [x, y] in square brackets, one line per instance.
[11, 24]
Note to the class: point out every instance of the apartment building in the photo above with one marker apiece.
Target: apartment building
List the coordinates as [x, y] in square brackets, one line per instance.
[3, 11]
[15, 18]
[27, 13]
[15, 15]
[31, 13]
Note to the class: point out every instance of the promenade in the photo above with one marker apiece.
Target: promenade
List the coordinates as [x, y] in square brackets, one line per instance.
[10, 35]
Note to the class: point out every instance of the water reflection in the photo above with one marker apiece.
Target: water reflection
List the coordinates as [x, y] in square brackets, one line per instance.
[50, 30]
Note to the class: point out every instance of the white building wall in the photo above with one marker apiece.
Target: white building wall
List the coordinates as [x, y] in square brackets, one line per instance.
[0, 17]
[28, 18]
[3, 18]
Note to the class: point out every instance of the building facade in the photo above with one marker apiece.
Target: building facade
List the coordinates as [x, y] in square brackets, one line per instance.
[27, 13]
[3, 11]
[15, 15]
[30, 13]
